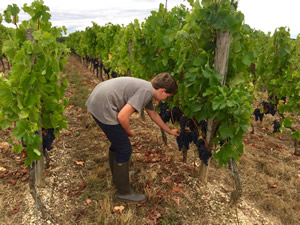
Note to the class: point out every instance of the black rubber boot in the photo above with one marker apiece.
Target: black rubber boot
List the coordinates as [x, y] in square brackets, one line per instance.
[112, 156]
[121, 180]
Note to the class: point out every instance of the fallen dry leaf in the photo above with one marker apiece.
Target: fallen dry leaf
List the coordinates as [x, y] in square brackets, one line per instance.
[88, 201]
[273, 186]
[13, 182]
[69, 106]
[119, 209]
[16, 209]
[67, 133]
[166, 180]
[24, 170]
[79, 163]
[153, 217]
[175, 188]
[279, 145]
[59, 139]
[2, 169]
[176, 200]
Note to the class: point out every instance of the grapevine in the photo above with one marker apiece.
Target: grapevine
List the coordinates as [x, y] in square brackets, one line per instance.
[32, 94]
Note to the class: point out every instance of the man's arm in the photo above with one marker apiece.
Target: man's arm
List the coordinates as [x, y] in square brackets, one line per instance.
[157, 119]
[123, 118]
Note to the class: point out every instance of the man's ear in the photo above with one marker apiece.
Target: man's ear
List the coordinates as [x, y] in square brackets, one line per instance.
[162, 89]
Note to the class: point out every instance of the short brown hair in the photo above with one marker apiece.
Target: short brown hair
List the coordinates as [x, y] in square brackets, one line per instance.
[165, 80]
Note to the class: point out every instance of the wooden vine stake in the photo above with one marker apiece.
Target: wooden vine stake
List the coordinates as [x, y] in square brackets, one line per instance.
[221, 65]
[37, 169]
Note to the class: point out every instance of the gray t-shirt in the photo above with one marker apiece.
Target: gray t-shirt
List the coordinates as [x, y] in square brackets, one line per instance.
[109, 97]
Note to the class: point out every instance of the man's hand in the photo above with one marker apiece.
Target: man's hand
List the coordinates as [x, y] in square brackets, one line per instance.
[157, 119]
[174, 132]
[123, 118]
[131, 133]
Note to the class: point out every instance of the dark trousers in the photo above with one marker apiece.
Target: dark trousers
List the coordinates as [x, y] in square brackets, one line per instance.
[119, 140]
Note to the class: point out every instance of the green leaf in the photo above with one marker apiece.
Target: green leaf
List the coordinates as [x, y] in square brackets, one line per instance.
[42, 79]
[9, 49]
[6, 98]
[20, 105]
[287, 122]
[17, 148]
[66, 102]
[196, 107]
[24, 79]
[238, 79]
[206, 3]
[25, 113]
[15, 10]
[165, 62]
[226, 131]
[199, 62]
[30, 99]
[246, 60]
[296, 135]
[217, 102]
[231, 103]
[50, 104]
[37, 152]
[237, 46]
[21, 127]
[5, 124]
[223, 154]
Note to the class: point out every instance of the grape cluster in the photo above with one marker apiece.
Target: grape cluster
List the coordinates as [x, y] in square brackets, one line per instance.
[48, 138]
[258, 115]
[273, 98]
[95, 63]
[276, 126]
[204, 153]
[188, 133]
[176, 114]
[164, 111]
[203, 126]
[113, 73]
[183, 140]
[269, 108]
[188, 130]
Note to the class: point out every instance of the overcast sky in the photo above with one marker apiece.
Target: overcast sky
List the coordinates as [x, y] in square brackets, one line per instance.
[265, 15]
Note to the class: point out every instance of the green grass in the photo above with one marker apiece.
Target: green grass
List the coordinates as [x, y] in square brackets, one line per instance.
[79, 88]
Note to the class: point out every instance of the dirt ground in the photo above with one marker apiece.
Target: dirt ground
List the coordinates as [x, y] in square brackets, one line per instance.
[78, 186]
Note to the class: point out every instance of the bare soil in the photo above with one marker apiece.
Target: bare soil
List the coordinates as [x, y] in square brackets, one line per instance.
[78, 186]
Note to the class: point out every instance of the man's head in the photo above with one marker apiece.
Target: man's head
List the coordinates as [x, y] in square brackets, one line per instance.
[165, 81]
